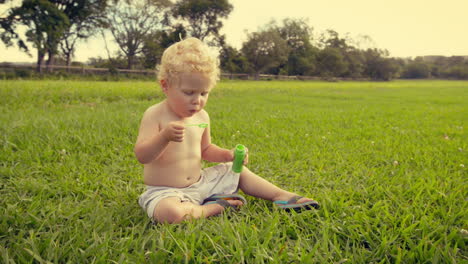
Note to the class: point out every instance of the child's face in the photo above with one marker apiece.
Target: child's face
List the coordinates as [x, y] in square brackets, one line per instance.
[188, 95]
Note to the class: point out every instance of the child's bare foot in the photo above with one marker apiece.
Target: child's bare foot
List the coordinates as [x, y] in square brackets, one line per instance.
[286, 196]
[218, 206]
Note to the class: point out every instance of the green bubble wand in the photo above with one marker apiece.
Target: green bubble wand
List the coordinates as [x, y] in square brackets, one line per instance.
[201, 125]
[239, 156]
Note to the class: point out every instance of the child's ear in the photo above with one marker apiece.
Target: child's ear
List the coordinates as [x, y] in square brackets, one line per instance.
[164, 85]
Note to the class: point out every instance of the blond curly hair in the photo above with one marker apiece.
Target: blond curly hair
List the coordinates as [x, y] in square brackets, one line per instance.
[190, 55]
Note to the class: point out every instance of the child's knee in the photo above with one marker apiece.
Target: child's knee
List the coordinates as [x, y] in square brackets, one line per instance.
[171, 213]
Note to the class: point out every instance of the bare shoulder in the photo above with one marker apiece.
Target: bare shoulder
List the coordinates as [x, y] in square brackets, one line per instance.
[151, 121]
[153, 113]
[154, 109]
[204, 115]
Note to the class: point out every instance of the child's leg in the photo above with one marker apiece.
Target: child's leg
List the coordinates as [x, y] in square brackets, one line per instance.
[254, 185]
[171, 210]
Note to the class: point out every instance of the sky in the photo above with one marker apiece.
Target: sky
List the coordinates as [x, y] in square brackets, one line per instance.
[406, 28]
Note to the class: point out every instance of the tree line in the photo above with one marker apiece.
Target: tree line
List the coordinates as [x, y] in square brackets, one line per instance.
[142, 29]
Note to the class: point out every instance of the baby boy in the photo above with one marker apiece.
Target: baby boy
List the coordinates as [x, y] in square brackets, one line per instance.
[171, 147]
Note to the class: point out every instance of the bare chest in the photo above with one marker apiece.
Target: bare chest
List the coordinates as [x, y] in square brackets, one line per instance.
[191, 145]
[189, 148]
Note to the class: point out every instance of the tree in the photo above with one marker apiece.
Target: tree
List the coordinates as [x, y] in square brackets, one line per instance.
[330, 62]
[155, 44]
[131, 21]
[455, 60]
[355, 61]
[45, 25]
[203, 17]
[151, 50]
[416, 70]
[352, 56]
[232, 60]
[265, 49]
[302, 55]
[457, 72]
[173, 35]
[332, 39]
[85, 17]
[378, 66]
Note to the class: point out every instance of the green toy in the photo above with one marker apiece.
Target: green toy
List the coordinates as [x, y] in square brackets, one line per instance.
[202, 125]
[239, 155]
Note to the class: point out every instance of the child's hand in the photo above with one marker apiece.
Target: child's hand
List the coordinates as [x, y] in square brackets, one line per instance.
[246, 159]
[174, 131]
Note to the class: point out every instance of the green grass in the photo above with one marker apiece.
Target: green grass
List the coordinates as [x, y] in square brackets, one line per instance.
[387, 161]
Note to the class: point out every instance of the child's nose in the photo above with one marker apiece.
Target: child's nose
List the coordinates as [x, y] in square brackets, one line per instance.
[196, 100]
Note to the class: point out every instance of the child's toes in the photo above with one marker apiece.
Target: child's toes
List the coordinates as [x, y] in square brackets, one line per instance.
[236, 203]
[303, 200]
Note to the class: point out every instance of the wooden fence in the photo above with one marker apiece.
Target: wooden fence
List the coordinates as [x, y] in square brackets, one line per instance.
[106, 71]
[75, 69]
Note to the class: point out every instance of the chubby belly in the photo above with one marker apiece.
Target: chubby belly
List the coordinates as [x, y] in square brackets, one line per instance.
[178, 173]
[179, 165]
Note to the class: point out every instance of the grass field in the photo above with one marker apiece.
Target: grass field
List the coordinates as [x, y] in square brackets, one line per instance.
[387, 161]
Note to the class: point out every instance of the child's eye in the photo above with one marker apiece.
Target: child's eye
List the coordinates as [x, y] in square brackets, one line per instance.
[204, 94]
[188, 92]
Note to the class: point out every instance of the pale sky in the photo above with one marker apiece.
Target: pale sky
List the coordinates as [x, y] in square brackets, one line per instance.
[406, 28]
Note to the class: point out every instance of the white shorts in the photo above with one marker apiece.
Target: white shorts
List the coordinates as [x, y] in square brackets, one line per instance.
[219, 179]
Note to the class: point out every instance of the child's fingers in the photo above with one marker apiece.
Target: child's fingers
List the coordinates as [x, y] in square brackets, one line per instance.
[179, 135]
[246, 160]
[178, 125]
[231, 155]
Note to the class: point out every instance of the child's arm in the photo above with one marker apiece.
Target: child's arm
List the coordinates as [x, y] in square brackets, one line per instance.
[212, 153]
[152, 142]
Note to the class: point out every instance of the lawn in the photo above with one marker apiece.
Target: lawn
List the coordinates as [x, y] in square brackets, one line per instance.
[386, 160]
